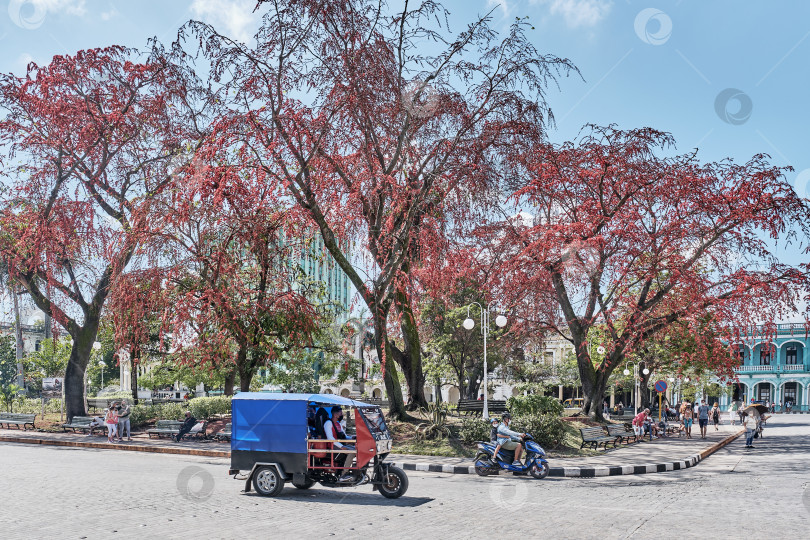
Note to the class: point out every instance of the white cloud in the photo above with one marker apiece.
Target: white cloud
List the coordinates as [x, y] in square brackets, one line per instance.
[234, 18]
[578, 12]
[109, 14]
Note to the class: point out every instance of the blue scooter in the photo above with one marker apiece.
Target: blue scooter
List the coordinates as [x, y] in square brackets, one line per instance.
[534, 464]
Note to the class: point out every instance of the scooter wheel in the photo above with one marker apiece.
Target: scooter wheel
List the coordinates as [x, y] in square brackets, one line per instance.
[539, 470]
[482, 470]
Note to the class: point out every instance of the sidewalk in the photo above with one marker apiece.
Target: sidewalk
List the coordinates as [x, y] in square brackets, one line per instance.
[659, 455]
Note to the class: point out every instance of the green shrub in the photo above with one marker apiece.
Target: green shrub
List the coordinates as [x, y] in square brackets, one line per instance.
[534, 404]
[25, 405]
[474, 429]
[547, 429]
[208, 407]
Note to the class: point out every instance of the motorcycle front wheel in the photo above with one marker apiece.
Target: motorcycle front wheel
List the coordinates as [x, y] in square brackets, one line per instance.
[539, 470]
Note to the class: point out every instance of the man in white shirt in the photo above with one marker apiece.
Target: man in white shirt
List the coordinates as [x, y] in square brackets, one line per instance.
[333, 429]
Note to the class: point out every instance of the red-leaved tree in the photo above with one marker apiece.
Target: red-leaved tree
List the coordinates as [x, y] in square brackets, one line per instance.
[86, 141]
[378, 137]
[627, 239]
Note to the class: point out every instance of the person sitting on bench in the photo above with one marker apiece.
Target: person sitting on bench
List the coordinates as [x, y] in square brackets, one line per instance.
[188, 423]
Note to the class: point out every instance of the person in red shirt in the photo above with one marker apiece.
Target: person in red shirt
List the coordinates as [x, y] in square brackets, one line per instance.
[638, 423]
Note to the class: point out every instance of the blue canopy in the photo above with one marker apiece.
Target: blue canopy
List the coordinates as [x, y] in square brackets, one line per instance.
[269, 422]
[330, 399]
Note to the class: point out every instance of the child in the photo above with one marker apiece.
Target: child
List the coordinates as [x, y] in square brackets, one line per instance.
[493, 436]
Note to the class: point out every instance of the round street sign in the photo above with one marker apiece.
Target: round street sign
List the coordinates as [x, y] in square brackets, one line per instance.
[660, 386]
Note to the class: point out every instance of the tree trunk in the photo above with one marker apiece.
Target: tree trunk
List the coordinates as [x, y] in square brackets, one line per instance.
[643, 387]
[20, 344]
[396, 405]
[134, 360]
[230, 378]
[410, 360]
[74, 373]
[246, 369]
[594, 383]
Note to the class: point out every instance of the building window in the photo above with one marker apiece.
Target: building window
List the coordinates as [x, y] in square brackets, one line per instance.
[765, 356]
[790, 392]
[741, 356]
[791, 355]
[37, 345]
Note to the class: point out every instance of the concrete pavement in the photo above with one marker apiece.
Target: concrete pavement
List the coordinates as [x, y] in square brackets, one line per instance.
[58, 492]
[659, 455]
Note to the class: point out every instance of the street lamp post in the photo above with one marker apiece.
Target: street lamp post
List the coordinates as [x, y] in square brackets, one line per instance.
[645, 371]
[469, 324]
[103, 365]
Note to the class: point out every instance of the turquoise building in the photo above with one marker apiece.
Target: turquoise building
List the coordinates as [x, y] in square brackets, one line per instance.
[775, 367]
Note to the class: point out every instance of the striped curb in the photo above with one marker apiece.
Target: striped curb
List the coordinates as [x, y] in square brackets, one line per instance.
[568, 472]
[124, 447]
[588, 472]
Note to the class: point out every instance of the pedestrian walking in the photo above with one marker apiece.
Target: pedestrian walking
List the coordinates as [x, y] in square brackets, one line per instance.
[686, 414]
[732, 412]
[715, 414]
[111, 419]
[123, 421]
[703, 418]
[750, 424]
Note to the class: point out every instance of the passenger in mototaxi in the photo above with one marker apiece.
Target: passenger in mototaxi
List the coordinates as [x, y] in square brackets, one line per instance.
[334, 431]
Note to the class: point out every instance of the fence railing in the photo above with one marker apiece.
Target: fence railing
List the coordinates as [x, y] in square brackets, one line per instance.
[773, 368]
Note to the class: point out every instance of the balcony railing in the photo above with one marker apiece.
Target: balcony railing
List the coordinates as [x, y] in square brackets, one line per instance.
[774, 368]
[793, 367]
[782, 329]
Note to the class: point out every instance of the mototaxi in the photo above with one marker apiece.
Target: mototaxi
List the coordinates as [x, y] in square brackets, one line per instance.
[274, 441]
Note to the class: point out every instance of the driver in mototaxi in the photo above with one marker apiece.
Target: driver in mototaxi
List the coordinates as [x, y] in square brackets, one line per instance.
[509, 440]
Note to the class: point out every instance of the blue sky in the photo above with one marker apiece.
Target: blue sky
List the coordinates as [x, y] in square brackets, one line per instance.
[644, 62]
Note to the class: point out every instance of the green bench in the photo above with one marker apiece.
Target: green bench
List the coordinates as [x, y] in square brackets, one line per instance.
[622, 432]
[225, 434]
[172, 428]
[17, 419]
[83, 423]
[596, 437]
[476, 406]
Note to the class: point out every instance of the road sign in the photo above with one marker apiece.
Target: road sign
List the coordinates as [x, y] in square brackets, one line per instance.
[660, 386]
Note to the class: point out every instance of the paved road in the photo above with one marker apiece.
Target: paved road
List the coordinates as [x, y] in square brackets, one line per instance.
[51, 492]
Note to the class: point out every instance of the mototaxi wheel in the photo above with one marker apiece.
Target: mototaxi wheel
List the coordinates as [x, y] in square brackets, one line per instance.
[395, 483]
[267, 481]
[308, 483]
[539, 470]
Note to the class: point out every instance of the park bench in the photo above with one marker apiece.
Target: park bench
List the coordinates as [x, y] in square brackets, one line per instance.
[82, 423]
[17, 419]
[172, 428]
[596, 436]
[476, 406]
[225, 434]
[622, 432]
[98, 403]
